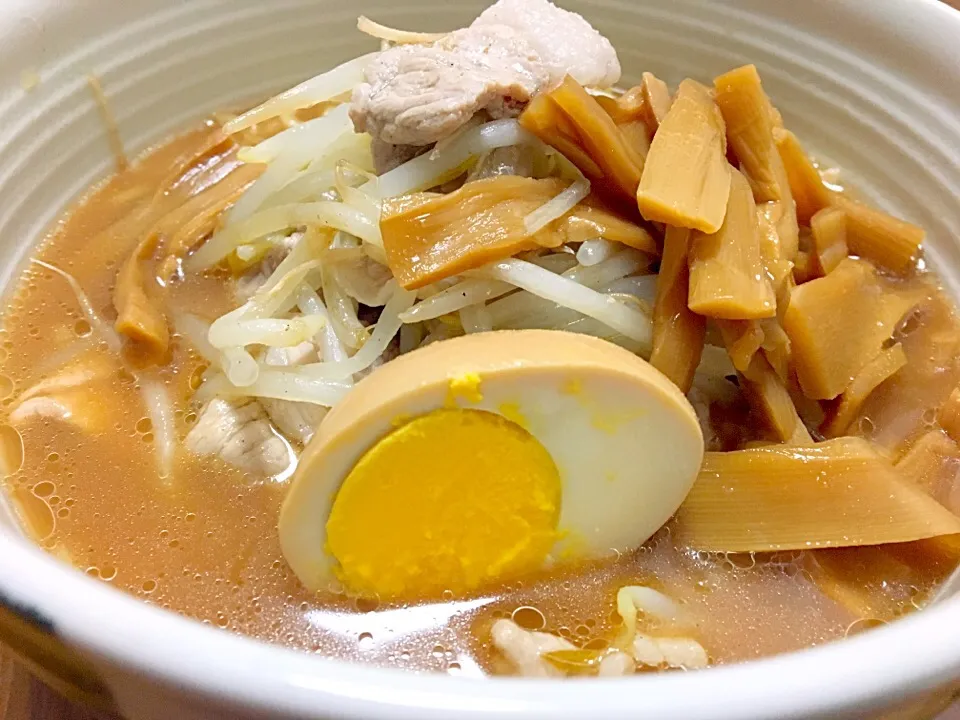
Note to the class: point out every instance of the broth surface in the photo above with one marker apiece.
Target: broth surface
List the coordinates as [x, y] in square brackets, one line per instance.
[204, 541]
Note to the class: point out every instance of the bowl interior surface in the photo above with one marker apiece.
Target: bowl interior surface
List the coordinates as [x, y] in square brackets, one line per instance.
[869, 87]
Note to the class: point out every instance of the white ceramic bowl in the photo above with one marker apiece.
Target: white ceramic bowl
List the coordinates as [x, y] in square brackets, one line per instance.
[874, 85]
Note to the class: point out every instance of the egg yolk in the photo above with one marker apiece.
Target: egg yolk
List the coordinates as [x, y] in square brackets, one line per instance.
[451, 501]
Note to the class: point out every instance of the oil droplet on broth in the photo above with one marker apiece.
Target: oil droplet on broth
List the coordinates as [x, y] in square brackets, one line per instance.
[11, 450]
[529, 618]
[6, 387]
[82, 328]
[742, 561]
[365, 641]
[44, 489]
[35, 514]
[863, 625]
[366, 604]
[196, 378]
[596, 644]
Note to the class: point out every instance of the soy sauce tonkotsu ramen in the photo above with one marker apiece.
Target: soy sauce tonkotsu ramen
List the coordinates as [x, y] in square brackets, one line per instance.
[466, 356]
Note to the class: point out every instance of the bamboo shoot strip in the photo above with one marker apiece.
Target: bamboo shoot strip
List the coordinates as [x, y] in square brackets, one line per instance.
[829, 228]
[749, 118]
[890, 242]
[727, 275]
[686, 179]
[837, 324]
[839, 493]
[808, 190]
[678, 333]
[877, 371]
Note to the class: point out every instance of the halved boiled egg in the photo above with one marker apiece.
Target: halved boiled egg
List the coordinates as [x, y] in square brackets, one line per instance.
[476, 460]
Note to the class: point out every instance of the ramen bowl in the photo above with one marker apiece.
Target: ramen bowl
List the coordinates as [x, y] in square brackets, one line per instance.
[874, 87]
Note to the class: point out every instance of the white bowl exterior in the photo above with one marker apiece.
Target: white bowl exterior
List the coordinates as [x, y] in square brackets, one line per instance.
[872, 86]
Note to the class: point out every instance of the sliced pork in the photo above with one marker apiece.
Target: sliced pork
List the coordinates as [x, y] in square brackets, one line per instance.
[418, 94]
[566, 43]
[298, 421]
[240, 433]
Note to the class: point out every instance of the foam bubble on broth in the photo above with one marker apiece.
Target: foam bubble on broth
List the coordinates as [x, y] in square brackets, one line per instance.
[164, 543]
